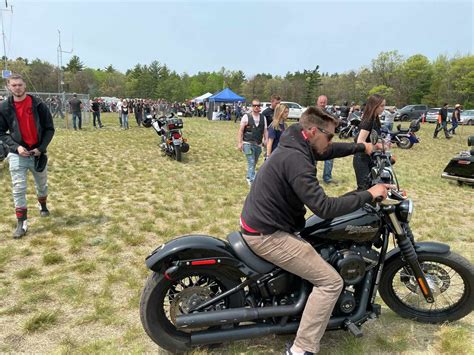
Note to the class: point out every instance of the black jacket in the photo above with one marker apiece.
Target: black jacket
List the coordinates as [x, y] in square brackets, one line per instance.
[287, 182]
[10, 131]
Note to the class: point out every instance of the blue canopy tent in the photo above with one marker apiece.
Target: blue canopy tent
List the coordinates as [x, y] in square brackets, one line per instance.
[226, 95]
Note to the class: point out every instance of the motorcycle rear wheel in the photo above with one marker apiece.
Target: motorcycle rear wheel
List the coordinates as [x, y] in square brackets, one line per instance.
[178, 153]
[405, 143]
[162, 300]
[450, 277]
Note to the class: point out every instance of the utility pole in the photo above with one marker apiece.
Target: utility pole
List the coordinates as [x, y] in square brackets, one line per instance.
[5, 73]
[60, 75]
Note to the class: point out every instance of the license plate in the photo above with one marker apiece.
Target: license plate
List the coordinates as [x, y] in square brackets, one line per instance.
[177, 141]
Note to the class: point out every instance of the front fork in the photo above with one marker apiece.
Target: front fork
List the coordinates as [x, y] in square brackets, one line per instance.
[407, 249]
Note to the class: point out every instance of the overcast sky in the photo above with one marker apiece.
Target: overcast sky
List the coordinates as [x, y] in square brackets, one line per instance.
[254, 36]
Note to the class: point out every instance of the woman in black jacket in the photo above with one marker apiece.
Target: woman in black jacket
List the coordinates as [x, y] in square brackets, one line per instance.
[370, 120]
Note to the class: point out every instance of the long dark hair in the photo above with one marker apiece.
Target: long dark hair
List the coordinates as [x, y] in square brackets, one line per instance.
[371, 106]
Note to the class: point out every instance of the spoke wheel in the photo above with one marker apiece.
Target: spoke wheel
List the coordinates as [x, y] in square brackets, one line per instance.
[450, 278]
[163, 300]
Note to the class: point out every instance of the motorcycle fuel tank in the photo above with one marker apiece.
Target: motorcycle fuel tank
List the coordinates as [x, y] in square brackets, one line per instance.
[361, 225]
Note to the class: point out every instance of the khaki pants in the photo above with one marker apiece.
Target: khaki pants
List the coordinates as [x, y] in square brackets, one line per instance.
[297, 256]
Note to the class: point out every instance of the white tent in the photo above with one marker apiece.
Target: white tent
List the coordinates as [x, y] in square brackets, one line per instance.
[202, 97]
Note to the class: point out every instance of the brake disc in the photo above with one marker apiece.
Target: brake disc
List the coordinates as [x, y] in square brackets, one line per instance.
[187, 299]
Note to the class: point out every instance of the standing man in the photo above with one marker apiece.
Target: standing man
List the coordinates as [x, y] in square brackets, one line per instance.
[328, 164]
[274, 211]
[26, 126]
[95, 107]
[455, 119]
[252, 133]
[443, 114]
[269, 111]
[139, 112]
[76, 107]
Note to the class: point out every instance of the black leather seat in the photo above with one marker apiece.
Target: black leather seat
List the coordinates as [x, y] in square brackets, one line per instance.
[245, 254]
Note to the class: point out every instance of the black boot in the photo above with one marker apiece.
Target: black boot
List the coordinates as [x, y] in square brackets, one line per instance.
[44, 212]
[22, 225]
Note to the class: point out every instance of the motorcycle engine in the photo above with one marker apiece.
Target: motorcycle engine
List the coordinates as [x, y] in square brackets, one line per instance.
[354, 262]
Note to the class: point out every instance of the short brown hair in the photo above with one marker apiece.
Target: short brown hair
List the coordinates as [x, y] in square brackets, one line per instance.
[314, 116]
[15, 77]
[275, 97]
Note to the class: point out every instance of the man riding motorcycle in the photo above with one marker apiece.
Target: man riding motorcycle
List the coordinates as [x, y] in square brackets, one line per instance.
[274, 210]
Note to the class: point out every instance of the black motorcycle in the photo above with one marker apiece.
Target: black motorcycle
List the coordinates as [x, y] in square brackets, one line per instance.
[351, 126]
[461, 167]
[404, 138]
[204, 290]
[169, 129]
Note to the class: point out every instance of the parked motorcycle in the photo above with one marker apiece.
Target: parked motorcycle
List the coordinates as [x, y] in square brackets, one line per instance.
[404, 138]
[169, 129]
[204, 290]
[461, 167]
[351, 128]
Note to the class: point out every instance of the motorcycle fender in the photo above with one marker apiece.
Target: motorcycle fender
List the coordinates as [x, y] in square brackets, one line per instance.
[421, 247]
[196, 248]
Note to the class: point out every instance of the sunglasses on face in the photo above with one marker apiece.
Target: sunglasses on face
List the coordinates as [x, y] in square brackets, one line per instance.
[329, 135]
[256, 105]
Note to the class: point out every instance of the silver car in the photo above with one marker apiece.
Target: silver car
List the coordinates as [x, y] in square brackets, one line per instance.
[432, 114]
[467, 117]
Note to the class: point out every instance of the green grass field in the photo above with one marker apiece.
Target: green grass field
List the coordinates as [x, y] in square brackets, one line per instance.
[73, 283]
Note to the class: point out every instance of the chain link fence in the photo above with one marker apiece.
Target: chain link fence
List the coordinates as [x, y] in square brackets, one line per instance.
[58, 104]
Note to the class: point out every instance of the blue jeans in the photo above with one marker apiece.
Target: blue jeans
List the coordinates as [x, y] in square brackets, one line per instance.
[125, 120]
[327, 173]
[79, 118]
[19, 167]
[252, 151]
[389, 126]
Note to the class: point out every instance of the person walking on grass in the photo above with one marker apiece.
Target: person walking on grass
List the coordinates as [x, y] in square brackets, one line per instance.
[26, 126]
[76, 107]
[442, 122]
[124, 110]
[455, 119]
[252, 134]
[277, 127]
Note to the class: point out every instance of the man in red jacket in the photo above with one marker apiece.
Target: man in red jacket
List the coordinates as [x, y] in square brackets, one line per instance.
[26, 126]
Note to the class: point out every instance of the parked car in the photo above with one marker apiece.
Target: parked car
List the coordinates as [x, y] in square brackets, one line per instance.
[411, 112]
[467, 117]
[432, 114]
[265, 105]
[296, 110]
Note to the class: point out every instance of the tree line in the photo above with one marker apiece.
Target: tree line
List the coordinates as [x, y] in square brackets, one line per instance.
[401, 80]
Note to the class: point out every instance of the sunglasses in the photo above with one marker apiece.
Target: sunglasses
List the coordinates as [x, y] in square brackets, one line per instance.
[257, 105]
[329, 135]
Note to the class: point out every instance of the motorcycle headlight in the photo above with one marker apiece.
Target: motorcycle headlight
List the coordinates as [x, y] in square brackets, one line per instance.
[405, 210]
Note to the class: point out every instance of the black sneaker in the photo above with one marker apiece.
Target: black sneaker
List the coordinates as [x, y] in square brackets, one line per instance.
[289, 352]
[21, 229]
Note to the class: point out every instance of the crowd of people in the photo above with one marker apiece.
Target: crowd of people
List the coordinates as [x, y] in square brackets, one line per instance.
[285, 183]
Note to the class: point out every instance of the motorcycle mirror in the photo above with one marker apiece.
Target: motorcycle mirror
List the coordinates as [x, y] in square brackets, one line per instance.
[374, 137]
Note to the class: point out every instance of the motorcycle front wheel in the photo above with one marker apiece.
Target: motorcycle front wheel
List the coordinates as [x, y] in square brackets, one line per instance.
[405, 143]
[451, 280]
[163, 300]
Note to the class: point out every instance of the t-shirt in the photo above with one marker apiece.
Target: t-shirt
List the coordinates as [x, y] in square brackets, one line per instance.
[268, 114]
[95, 106]
[26, 121]
[75, 105]
[275, 135]
[369, 124]
[245, 120]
